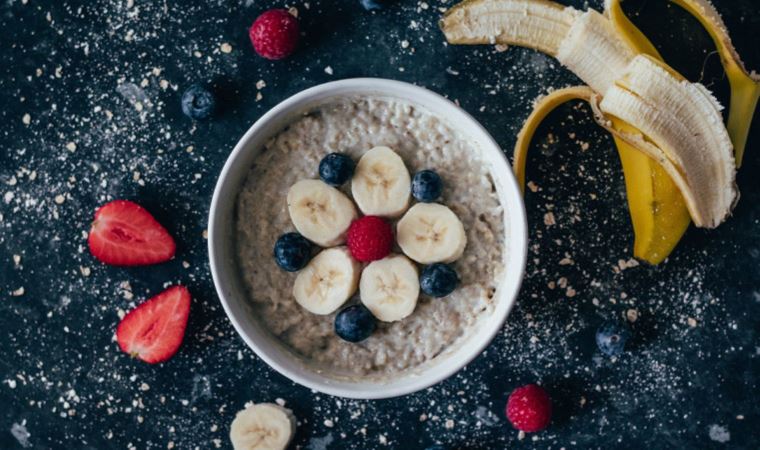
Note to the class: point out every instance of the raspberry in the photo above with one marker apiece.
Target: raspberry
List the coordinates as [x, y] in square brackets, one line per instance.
[274, 34]
[370, 238]
[529, 408]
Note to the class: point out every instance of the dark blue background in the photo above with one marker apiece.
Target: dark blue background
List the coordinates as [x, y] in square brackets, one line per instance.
[79, 68]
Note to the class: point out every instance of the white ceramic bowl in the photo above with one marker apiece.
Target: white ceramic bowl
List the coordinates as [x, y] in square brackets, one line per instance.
[228, 282]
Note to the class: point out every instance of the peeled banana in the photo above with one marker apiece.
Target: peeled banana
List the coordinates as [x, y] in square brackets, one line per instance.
[648, 106]
[745, 86]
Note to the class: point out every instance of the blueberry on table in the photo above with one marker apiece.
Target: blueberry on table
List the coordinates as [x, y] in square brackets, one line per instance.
[611, 337]
[292, 252]
[198, 102]
[336, 168]
[426, 186]
[374, 5]
[355, 323]
[438, 280]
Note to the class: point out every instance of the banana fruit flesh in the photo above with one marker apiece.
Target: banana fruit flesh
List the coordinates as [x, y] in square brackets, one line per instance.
[381, 184]
[745, 86]
[537, 24]
[262, 426]
[390, 287]
[593, 47]
[679, 117]
[430, 233]
[321, 213]
[327, 281]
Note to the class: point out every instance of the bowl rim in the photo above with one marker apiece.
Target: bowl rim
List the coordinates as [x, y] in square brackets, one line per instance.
[510, 197]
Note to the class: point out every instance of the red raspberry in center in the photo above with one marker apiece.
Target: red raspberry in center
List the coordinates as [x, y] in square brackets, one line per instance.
[370, 238]
[529, 408]
[274, 34]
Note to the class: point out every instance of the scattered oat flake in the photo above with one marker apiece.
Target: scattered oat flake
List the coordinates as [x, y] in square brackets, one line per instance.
[692, 322]
[225, 48]
[632, 315]
[261, 84]
[27, 119]
[18, 292]
[71, 146]
[549, 219]
[329, 70]
[501, 47]
[59, 199]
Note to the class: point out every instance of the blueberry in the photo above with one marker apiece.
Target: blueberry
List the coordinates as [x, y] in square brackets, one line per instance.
[354, 323]
[426, 186]
[611, 338]
[292, 252]
[373, 5]
[336, 168]
[438, 280]
[197, 102]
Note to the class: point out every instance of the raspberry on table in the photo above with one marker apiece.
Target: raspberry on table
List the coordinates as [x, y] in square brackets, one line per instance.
[274, 34]
[529, 408]
[370, 238]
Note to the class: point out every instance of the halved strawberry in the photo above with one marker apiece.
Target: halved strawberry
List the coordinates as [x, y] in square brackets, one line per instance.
[154, 330]
[125, 234]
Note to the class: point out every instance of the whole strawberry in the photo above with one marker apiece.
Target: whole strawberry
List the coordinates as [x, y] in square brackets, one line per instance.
[370, 238]
[529, 408]
[274, 34]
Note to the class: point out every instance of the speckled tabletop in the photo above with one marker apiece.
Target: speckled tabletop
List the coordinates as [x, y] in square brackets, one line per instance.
[89, 111]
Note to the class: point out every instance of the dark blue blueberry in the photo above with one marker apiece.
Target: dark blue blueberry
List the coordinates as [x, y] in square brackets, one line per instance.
[611, 338]
[426, 186]
[374, 5]
[438, 280]
[336, 168]
[292, 252]
[197, 102]
[355, 323]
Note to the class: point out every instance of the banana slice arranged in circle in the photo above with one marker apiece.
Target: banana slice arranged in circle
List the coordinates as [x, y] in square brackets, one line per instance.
[321, 213]
[263, 426]
[430, 233]
[389, 288]
[381, 185]
[327, 281]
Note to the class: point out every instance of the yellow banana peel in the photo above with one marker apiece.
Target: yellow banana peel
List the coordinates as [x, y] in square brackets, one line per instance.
[658, 212]
[745, 86]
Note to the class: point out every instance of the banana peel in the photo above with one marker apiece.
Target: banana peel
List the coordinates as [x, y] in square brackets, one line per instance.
[658, 212]
[745, 86]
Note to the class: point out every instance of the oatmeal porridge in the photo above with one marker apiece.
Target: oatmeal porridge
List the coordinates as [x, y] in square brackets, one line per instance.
[353, 126]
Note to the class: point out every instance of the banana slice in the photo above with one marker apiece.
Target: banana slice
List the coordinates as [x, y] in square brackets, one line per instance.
[381, 185]
[430, 233]
[327, 281]
[321, 213]
[389, 287]
[265, 426]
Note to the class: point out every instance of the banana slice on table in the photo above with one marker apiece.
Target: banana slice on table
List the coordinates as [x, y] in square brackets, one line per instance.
[264, 426]
[321, 213]
[381, 185]
[430, 233]
[389, 288]
[327, 281]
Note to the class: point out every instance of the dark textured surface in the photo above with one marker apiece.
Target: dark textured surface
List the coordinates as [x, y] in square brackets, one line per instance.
[79, 70]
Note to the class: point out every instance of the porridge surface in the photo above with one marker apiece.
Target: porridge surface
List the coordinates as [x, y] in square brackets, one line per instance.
[353, 126]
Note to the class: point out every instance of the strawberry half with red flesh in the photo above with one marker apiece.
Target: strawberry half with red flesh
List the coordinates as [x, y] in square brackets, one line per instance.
[154, 330]
[125, 234]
